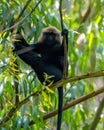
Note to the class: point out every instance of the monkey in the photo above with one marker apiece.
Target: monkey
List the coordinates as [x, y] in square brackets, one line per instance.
[47, 56]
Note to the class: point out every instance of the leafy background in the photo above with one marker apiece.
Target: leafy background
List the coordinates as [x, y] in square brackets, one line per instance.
[85, 22]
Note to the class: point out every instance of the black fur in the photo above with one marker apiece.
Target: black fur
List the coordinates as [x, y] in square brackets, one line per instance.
[45, 58]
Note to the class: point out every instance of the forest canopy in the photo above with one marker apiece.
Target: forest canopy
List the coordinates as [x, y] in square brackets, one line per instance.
[27, 104]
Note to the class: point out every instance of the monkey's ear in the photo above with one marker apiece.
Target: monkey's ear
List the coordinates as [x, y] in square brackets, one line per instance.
[64, 32]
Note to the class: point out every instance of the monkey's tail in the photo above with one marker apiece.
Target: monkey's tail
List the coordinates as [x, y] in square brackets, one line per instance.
[60, 105]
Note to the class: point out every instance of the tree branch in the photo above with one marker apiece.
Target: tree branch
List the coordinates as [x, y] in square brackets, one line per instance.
[84, 18]
[58, 84]
[64, 40]
[73, 103]
[26, 5]
[61, 17]
[97, 115]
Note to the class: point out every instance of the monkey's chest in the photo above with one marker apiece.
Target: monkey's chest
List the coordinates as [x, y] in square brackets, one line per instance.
[50, 59]
[55, 60]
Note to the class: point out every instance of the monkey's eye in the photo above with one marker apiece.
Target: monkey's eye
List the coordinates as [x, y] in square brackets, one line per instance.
[49, 33]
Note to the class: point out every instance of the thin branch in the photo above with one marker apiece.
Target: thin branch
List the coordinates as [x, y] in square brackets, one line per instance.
[77, 78]
[64, 40]
[84, 18]
[65, 71]
[26, 5]
[73, 103]
[65, 81]
[97, 115]
[16, 24]
[58, 84]
[77, 101]
[61, 17]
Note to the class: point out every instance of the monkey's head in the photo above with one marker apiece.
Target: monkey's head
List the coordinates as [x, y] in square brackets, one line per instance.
[50, 35]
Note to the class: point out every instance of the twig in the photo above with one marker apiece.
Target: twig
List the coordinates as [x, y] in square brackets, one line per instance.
[58, 84]
[16, 24]
[97, 115]
[26, 5]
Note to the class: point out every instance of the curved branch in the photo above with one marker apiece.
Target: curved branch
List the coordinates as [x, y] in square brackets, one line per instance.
[65, 81]
[73, 103]
[56, 85]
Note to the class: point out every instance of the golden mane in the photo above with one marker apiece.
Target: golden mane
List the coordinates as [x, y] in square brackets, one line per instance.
[50, 29]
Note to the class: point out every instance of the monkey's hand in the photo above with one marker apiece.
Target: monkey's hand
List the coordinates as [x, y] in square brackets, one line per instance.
[64, 32]
[17, 37]
[20, 44]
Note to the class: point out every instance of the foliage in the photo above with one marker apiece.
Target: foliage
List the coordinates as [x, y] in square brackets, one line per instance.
[85, 22]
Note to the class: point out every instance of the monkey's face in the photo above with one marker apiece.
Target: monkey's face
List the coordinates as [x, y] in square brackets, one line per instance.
[50, 36]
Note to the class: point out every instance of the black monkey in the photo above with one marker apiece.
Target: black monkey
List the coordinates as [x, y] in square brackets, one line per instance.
[46, 57]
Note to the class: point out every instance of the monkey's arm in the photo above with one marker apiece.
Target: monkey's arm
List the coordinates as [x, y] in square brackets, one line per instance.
[19, 41]
[21, 46]
[28, 57]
